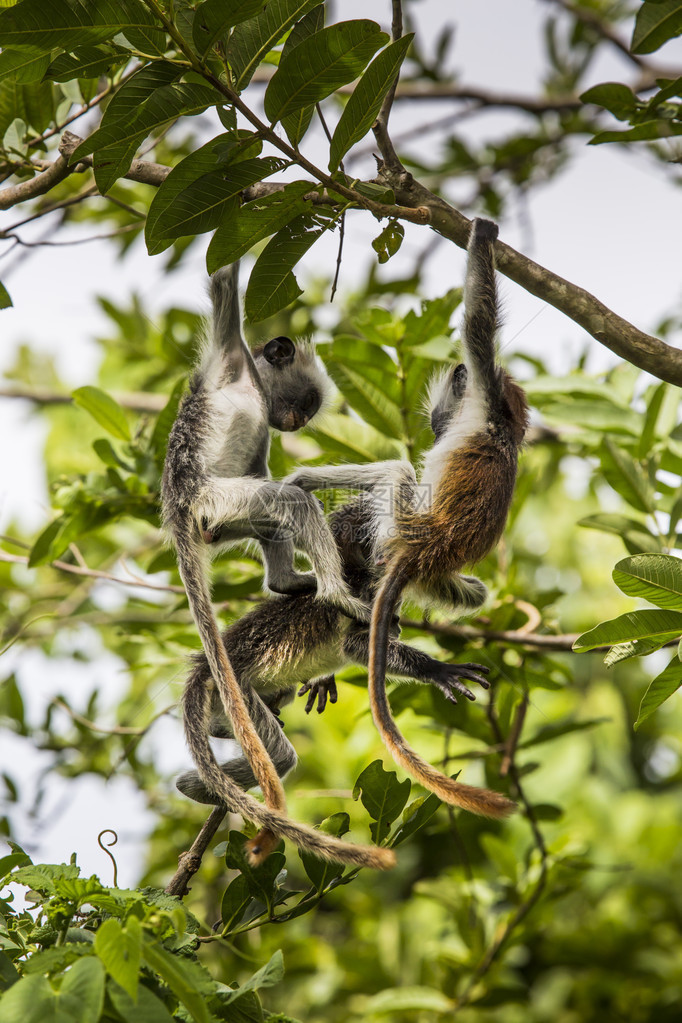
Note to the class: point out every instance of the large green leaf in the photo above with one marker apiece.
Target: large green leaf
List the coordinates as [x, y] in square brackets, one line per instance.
[89, 62]
[602, 416]
[181, 976]
[321, 64]
[214, 17]
[200, 206]
[618, 99]
[383, 796]
[297, 124]
[81, 995]
[367, 399]
[26, 65]
[351, 441]
[250, 41]
[396, 1002]
[240, 228]
[5, 299]
[654, 577]
[661, 128]
[638, 648]
[321, 872]
[365, 102]
[663, 686]
[655, 24]
[163, 106]
[67, 24]
[626, 476]
[663, 625]
[104, 409]
[272, 285]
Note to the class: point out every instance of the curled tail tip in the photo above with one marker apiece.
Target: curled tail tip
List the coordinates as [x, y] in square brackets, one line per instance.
[484, 802]
[385, 859]
[260, 846]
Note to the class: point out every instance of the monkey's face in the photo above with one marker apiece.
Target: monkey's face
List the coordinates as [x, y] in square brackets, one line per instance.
[450, 396]
[291, 381]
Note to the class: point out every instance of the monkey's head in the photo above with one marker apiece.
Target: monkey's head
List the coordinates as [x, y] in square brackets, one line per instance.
[295, 385]
[446, 394]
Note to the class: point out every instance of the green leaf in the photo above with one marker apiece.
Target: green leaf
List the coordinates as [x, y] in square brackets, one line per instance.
[180, 977]
[30, 1000]
[394, 1001]
[663, 686]
[383, 796]
[501, 855]
[602, 416]
[321, 64]
[253, 39]
[41, 552]
[646, 624]
[214, 17]
[655, 24]
[635, 535]
[261, 879]
[23, 65]
[102, 407]
[614, 97]
[81, 995]
[653, 577]
[415, 816]
[267, 976]
[200, 206]
[236, 898]
[365, 101]
[352, 441]
[661, 128]
[272, 285]
[121, 952]
[554, 731]
[163, 106]
[147, 1009]
[321, 872]
[5, 300]
[242, 227]
[297, 124]
[638, 648]
[87, 62]
[43, 26]
[368, 400]
[626, 476]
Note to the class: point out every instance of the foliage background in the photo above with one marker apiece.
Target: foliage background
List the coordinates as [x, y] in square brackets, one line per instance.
[586, 896]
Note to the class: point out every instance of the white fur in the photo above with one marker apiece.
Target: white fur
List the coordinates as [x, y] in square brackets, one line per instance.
[469, 419]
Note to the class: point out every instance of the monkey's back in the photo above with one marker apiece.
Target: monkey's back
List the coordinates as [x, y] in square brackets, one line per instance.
[468, 512]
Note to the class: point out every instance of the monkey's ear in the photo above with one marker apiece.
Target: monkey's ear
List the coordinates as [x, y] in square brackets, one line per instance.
[280, 351]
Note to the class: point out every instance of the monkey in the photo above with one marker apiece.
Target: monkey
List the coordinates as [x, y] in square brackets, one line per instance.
[428, 530]
[215, 491]
[287, 641]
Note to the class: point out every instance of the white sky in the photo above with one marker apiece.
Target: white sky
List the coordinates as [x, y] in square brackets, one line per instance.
[610, 223]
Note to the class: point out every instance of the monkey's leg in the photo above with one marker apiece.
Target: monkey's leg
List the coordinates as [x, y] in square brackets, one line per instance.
[282, 753]
[280, 575]
[407, 662]
[353, 477]
[463, 593]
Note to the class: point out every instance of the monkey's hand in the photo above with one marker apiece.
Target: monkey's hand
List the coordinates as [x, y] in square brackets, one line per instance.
[319, 690]
[449, 679]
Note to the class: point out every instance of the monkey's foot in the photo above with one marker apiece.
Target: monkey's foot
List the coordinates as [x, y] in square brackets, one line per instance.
[319, 690]
[449, 682]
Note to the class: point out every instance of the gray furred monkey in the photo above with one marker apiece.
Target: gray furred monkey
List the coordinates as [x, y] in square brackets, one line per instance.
[430, 529]
[284, 642]
[215, 492]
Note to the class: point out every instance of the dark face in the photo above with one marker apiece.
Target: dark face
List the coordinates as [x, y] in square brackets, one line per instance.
[445, 410]
[293, 397]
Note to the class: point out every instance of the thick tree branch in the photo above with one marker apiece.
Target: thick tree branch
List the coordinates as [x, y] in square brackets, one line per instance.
[642, 350]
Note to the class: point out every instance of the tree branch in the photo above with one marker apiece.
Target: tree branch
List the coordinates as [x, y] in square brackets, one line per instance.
[642, 350]
[135, 401]
[190, 861]
[380, 126]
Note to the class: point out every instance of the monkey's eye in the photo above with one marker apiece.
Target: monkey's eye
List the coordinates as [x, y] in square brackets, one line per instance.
[280, 351]
[309, 402]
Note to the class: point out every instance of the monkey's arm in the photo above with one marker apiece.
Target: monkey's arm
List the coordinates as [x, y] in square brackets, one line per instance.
[481, 308]
[354, 477]
[408, 662]
[226, 325]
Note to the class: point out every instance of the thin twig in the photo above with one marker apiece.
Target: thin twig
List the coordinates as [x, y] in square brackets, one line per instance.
[190, 861]
[115, 729]
[92, 573]
[380, 126]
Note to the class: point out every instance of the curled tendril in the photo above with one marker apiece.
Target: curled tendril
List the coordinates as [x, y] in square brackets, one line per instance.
[109, 831]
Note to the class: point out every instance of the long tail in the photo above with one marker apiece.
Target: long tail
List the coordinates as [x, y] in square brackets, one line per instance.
[326, 847]
[468, 797]
[191, 563]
